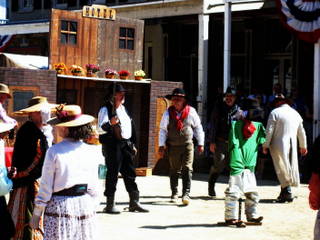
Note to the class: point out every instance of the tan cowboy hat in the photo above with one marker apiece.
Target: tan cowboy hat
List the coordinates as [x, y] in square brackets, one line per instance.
[70, 116]
[35, 104]
[4, 89]
[5, 127]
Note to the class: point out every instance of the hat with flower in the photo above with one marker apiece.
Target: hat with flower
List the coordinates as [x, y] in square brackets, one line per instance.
[70, 116]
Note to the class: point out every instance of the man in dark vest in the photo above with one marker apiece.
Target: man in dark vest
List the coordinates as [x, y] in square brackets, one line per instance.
[221, 118]
[179, 123]
[117, 135]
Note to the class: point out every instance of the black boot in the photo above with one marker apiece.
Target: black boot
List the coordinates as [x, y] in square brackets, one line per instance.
[186, 185]
[211, 184]
[111, 206]
[285, 195]
[174, 178]
[134, 204]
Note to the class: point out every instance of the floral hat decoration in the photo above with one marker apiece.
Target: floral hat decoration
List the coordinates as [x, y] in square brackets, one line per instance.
[70, 116]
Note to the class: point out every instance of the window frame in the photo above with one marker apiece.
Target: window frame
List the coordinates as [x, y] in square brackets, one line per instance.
[34, 89]
[68, 32]
[126, 38]
[22, 8]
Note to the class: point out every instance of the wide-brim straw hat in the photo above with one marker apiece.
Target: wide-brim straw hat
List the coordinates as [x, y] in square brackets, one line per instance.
[5, 89]
[70, 116]
[5, 127]
[36, 104]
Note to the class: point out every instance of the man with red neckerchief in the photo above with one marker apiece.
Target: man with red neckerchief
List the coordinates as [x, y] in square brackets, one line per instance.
[179, 123]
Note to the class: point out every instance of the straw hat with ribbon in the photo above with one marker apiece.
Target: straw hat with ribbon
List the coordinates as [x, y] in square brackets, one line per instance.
[37, 104]
[5, 90]
[70, 116]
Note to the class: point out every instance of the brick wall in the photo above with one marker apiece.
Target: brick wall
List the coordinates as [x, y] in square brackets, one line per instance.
[46, 80]
[157, 89]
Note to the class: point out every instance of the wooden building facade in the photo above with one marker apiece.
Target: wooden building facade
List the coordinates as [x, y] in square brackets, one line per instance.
[79, 40]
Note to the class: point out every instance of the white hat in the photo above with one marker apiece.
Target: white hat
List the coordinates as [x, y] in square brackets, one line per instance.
[70, 116]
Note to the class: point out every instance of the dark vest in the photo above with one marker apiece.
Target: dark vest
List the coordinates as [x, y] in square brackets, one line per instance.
[179, 138]
[109, 136]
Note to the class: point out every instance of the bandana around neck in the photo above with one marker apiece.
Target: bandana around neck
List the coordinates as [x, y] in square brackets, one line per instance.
[179, 120]
[248, 129]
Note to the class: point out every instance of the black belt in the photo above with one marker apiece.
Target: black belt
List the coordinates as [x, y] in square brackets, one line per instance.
[220, 139]
[76, 190]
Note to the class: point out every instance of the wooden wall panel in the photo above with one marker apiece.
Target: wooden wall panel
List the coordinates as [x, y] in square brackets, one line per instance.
[85, 51]
[109, 53]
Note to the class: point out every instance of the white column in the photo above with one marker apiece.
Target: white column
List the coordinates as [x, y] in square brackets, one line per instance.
[227, 45]
[316, 90]
[203, 65]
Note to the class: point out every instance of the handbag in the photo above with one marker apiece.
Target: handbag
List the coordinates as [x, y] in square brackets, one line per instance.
[5, 182]
[102, 171]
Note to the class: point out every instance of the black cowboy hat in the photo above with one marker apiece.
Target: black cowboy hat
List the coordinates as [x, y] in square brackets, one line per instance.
[116, 87]
[177, 92]
[231, 90]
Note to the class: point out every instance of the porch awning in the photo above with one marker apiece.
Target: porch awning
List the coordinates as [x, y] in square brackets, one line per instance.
[24, 28]
[218, 6]
[23, 61]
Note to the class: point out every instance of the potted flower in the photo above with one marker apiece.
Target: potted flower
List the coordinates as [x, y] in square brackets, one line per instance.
[60, 67]
[92, 69]
[139, 74]
[124, 74]
[110, 73]
[76, 70]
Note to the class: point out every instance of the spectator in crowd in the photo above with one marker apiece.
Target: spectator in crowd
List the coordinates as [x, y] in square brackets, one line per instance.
[221, 118]
[4, 95]
[28, 155]
[179, 123]
[118, 138]
[244, 138]
[284, 127]
[69, 182]
[6, 222]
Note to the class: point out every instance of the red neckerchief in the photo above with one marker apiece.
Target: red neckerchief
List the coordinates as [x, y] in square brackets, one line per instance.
[179, 120]
[248, 129]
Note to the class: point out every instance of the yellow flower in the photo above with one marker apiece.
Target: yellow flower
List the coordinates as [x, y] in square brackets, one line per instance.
[139, 73]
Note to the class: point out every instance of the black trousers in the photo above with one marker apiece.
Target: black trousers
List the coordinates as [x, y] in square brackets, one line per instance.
[6, 223]
[119, 158]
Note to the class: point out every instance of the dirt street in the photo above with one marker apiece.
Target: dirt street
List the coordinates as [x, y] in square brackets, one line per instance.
[289, 221]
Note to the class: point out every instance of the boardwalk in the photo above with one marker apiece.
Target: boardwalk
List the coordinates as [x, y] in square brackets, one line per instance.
[199, 220]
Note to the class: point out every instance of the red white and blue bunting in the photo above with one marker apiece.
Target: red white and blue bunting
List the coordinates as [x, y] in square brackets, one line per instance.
[4, 41]
[302, 17]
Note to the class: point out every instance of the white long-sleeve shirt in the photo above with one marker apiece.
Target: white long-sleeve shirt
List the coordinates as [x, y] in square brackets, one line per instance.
[125, 121]
[66, 164]
[196, 126]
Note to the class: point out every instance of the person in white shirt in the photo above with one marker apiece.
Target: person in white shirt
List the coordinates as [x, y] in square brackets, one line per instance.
[4, 95]
[179, 123]
[68, 186]
[285, 133]
[117, 135]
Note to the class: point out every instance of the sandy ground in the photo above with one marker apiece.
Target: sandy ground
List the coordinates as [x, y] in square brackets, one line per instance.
[199, 220]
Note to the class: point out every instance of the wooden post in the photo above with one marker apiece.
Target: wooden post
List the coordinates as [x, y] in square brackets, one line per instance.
[203, 66]
[316, 90]
[227, 45]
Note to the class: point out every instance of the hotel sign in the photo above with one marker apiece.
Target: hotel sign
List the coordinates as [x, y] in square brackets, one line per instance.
[99, 11]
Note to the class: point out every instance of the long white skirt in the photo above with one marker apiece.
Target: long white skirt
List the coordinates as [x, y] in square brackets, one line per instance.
[69, 218]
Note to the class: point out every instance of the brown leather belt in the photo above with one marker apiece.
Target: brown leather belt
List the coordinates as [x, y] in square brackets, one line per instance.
[220, 139]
